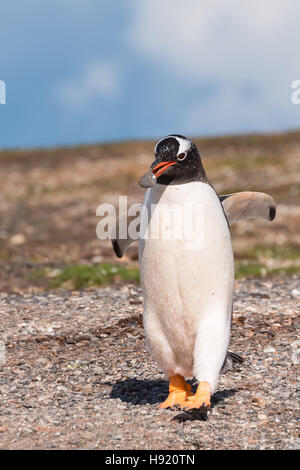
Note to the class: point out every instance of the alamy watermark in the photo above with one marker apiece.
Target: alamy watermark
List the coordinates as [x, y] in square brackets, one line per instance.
[2, 92]
[182, 222]
[295, 97]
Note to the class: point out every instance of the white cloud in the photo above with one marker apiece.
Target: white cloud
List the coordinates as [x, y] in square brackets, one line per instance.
[201, 38]
[98, 80]
[229, 44]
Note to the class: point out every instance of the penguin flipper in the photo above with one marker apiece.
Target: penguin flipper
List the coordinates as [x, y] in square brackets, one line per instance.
[237, 206]
[124, 237]
[248, 205]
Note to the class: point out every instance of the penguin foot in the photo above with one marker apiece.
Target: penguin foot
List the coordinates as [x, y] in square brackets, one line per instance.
[179, 391]
[201, 399]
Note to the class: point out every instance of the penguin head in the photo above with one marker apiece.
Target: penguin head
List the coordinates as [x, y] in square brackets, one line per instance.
[177, 161]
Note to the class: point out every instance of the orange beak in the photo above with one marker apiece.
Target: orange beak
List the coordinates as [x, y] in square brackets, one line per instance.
[161, 167]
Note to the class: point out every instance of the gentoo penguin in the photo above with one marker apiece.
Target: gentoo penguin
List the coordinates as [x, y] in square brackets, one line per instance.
[187, 269]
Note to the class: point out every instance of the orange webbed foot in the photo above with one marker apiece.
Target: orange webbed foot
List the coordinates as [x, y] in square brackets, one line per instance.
[201, 399]
[179, 391]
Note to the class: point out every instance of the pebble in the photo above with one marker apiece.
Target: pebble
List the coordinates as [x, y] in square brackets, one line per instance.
[262, 417]
[296, 292]
[103, 391]
[17, 239]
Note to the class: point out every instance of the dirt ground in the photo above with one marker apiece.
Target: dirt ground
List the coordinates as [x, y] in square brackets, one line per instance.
[77, 374]
[74, 369]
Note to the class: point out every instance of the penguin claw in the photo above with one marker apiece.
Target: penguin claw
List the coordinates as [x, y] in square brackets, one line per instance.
[196, 405]
[174, 399]
[201, 399]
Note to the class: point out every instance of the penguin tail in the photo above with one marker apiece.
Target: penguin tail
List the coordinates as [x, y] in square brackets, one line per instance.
[232, 362]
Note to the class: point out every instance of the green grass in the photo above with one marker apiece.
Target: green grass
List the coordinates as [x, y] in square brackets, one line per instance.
[252, 262]
[257, 252]
[81, 275]
[5, 256]
[38, 274]
[243, 269]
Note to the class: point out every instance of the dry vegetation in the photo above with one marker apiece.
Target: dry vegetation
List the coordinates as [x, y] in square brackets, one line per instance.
[49, 200]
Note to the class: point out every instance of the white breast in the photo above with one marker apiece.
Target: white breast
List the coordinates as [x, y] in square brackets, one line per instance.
[184, 275]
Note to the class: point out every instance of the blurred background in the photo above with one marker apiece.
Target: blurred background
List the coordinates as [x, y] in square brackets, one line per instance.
[90, 86]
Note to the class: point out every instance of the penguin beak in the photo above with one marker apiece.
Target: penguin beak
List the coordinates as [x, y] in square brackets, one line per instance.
[156, 169]
[161, 167]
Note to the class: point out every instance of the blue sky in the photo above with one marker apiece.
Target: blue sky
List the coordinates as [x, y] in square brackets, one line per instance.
[81, 71]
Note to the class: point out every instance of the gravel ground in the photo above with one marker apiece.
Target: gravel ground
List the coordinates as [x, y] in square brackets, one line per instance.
[77, 374]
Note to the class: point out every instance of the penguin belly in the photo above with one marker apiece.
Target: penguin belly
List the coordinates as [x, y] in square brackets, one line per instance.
[187, 277]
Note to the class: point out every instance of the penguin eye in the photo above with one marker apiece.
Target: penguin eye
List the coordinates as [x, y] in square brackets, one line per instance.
[181, 156]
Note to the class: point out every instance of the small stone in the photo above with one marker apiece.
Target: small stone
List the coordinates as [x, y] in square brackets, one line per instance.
[62, 388]
[17, 239]
[147, 180]
[53, 272]
[42, 361]
[295, 292]
[258, 401]
[269, 349]
[262, 417]
[97, 259]
[87, 389]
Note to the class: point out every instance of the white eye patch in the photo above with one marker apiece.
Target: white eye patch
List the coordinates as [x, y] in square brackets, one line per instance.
[184, 145]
